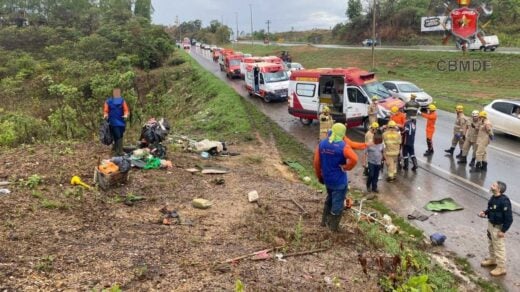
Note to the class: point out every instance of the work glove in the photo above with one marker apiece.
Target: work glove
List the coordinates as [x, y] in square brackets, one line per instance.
[458, 136]
[491, 137]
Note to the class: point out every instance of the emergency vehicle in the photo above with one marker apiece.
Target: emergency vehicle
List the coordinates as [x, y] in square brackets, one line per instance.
[347, 92]
[232, 65]
[186, 44]
[216, 54]
[249, 60]
[267, 80]
[223, 54]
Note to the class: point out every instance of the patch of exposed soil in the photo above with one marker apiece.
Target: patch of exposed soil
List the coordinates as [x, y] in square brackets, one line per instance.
[56, 237]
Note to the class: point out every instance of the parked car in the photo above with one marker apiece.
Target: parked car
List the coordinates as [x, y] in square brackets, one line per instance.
[404, 89]
[368, 43]
[505, 116]
[293, 67]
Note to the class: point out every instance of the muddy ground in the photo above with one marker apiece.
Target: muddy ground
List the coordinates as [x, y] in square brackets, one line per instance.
[57, 237]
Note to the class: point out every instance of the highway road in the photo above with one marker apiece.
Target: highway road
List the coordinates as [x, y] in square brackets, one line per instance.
[438, 177]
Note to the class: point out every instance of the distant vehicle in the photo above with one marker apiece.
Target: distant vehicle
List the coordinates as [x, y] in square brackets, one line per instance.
[503, 114]
[293, 67]
[368, 43]
[223, 54]
[346, 91]
[186, 44]
[267, 80]
[492, 44]
[232, 65]
[247, 55]
[248, 60]
[404, 89]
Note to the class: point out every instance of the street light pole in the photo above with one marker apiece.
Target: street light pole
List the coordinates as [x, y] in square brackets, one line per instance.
[236, 19]
[373, 35]
[251, 12]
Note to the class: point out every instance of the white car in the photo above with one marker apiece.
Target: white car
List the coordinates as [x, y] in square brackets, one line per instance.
[404, 89]
[293, 67]
[504, 115]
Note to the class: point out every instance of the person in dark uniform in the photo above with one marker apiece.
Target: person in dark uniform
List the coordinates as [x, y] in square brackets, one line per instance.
[500, 218]
[409, 144]
[411, 108]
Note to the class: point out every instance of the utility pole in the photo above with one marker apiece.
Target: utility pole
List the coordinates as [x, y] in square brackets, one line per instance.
[178, 26]
[268, 24]
[373, 35]
[236, 19]
[251, 12]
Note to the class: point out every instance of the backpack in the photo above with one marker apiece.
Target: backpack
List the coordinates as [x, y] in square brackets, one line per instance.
[105, 136]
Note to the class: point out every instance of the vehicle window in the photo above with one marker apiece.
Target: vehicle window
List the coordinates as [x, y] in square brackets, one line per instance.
[234, 62]
[355, 95]
[303, 89]
[389, 86]
[408, 87]
[503, 107]
[249, 75]
[376, 88]
[276, 76]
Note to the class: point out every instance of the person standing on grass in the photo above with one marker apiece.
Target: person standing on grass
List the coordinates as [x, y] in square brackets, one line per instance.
[332, 159]
[116, 111]
[500, 218]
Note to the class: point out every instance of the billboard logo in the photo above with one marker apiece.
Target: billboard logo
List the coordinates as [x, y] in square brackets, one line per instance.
[464, 65]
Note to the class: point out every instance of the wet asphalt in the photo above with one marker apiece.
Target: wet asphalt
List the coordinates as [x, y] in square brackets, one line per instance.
[438, 177]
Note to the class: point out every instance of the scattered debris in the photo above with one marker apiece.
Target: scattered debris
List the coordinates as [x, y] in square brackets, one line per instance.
[306, 179]
[131, 199]
[171, 215]
[416, 215]
[312, 251]
[4, 183]
[76, 181]
[201, 203]
[437, 238]
[470, 255]
[192, 170]
[214, 170]
[279, 257]
[252, 196]
[303, 211]
[262, 255]
[294, 165]
[218, 181]
[446, 204]
[204, 155]
[4, 192]
[233, 260]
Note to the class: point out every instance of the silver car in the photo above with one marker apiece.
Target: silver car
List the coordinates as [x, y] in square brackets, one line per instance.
[504, 115]
[404, 89]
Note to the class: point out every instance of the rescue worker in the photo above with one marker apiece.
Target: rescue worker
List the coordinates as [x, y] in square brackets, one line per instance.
[409, 144]
[411, 108]
[484, 136]
[116, 111]
[326, 122]
[500, 218]
[372, 110]
[431, 118]
[332, 159]
[458, 132]
[397, 116]
[470, 139]
[392, 140]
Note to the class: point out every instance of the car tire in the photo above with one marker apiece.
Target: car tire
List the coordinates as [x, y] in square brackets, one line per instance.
[266, 98]
[306, 122]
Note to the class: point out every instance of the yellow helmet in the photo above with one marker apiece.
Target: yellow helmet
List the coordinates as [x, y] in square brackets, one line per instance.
[432, 107]
[475, 113]
[482, 114]
[375, 97]
[394, 109]
[459, 108]
[392, 124]
[374, 125]
[326, 109]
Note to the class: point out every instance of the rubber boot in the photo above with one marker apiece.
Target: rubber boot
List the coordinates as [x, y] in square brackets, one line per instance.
[484, 166]
[472, 163]
[450, 151]
[405, 164]
[325, 217]
[459, 155]
[477, 167]
[334, 222]
[118, 147]
[428, 152]
[463, 160]
[414, 162]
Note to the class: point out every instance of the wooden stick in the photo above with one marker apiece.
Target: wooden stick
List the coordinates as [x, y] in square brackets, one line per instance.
[299, 206]
[304, 252]
[249, 255]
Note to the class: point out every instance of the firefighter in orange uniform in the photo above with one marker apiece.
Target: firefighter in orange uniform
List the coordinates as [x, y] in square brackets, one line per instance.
[431, 118]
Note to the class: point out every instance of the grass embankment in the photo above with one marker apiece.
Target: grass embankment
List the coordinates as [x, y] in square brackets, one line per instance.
[408, 244]
[472, 89]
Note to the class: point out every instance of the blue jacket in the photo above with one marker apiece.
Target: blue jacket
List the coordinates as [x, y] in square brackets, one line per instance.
[499, 211]
[409, 133]
[116, 111]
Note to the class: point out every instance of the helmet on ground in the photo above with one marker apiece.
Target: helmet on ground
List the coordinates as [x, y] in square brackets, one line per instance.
[394, 109]
[459, 108]
[392, 124]
[375, 97]
[475, 113]
[374, 125]
[413, 96]
[326, 109]
[482, 114]
[432, 107]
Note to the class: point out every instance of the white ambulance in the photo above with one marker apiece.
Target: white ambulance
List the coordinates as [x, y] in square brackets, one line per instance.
[267, 80]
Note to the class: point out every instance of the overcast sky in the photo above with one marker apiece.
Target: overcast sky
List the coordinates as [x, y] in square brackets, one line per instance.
[284, 14]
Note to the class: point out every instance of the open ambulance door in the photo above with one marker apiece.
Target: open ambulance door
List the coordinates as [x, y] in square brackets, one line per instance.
[356, 106]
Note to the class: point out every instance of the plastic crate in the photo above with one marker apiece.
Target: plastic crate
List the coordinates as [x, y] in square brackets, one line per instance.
[106, 181]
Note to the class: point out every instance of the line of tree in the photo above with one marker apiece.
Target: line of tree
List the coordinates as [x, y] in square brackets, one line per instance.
[214, 33]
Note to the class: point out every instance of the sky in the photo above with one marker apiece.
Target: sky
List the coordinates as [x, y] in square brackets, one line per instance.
[283, 14]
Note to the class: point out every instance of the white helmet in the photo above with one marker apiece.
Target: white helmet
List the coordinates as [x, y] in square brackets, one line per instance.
[475, 113]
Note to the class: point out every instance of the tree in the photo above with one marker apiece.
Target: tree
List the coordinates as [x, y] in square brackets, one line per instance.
[143, 8]
[354, 9]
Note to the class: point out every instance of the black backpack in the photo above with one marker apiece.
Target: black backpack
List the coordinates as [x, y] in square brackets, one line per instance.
[105, 136]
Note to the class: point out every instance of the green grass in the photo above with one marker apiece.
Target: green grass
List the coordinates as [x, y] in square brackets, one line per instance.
[472, 89]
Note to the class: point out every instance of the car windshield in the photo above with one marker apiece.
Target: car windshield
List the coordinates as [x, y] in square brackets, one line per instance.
[234, 62]
[408, 87]
[376, 88]
[295, 66]
[270, 77]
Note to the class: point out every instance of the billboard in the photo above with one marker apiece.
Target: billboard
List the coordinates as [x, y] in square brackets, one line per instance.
[435, 23]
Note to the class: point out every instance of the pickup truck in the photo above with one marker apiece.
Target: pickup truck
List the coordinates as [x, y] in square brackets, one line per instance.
[492, 44]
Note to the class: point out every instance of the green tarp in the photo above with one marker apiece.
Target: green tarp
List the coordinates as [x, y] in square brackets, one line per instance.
[446, 204]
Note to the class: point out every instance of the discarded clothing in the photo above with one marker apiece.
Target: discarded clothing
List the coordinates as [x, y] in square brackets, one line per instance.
[437, 238]
[416, 215]
[294, 165]
[122, 162]
[213, 147]
[153, 163]
[446, 204]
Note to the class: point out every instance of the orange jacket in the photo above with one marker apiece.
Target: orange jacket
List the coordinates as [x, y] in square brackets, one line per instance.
[349, 154]
[354, 145]
[399, 118]
[431, 118]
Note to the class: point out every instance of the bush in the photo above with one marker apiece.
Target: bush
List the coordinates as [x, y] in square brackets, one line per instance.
[18, 128]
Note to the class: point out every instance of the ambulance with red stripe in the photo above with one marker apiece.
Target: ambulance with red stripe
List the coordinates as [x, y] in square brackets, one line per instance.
[253, 59]
[346, 91]
[267, 80]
